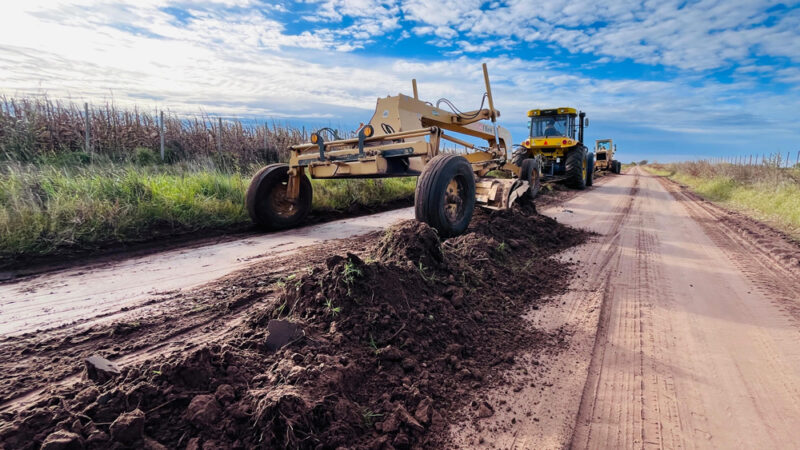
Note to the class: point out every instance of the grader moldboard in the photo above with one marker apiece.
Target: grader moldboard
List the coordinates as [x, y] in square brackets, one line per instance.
[403, 139]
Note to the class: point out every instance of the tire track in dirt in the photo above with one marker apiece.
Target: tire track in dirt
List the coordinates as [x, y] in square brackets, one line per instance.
[688, 354]
[99, 290]
[540, 402]
[766, 256]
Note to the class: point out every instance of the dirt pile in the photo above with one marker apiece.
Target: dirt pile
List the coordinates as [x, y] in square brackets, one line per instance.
[390, 347]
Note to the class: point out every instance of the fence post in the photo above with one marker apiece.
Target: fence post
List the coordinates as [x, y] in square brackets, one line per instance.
[266, 143]
[161, 133]
[219, 136]
[87, 144]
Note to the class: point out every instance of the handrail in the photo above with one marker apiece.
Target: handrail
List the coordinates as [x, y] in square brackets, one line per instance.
[382, 137]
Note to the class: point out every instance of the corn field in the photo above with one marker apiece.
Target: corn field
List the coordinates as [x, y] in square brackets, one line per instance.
[33, 127]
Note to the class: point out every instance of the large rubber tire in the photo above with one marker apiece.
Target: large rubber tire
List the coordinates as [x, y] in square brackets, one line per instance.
[530, 172]
[589, 169]
[519, 155]
[576, 168]
[266, 199]
[445, 194]
[617, 167]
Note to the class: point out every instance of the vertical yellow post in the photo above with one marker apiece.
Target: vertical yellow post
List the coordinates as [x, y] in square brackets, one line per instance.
[491, 104]
[414, 85]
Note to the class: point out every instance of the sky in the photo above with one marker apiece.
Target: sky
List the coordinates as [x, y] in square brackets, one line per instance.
[667, 80]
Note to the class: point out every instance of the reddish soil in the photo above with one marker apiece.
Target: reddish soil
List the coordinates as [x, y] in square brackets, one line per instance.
[401, 335]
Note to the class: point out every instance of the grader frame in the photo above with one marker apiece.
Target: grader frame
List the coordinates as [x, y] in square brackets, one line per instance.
[402, 138]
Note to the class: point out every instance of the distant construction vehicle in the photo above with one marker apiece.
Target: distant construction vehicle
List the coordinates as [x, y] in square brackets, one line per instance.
[555, 142]
[604, 150]
[403, 139]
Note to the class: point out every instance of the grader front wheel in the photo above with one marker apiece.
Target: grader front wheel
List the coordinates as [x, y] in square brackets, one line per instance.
[529, 171]
[267, 201]
[445, 194]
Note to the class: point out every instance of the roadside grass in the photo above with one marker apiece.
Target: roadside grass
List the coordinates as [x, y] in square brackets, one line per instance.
[343, 194]
[766, 193]
[56, 209]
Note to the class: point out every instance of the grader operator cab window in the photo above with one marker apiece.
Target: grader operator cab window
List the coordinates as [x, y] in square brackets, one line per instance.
[558, 125]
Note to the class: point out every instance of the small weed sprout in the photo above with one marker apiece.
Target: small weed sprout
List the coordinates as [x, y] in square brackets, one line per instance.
[351, 272]
[334, 310]
[373, 345]
[425, 276]
[369, 417]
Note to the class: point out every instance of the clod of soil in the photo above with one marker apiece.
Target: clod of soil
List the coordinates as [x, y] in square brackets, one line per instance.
[393, 346]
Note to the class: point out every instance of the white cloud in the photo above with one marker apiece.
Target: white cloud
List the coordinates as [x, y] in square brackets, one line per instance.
[695, 35]
[244, 62]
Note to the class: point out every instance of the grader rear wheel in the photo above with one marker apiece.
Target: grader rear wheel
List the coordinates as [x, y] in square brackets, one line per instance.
[267, 202]
[576, 168]
[445, 195]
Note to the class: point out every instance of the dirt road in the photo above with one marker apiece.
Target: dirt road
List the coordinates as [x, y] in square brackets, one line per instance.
[680, 327]
[699, 343]
[698, 331]
[101, 292]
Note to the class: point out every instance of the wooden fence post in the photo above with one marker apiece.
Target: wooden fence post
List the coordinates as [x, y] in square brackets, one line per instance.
[161, 134]
[219, 136]
[87, 144]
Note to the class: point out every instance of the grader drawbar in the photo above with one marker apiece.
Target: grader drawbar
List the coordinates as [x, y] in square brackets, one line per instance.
[403, 138]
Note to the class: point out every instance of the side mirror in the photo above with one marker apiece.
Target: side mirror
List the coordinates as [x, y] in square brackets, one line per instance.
[586, 122]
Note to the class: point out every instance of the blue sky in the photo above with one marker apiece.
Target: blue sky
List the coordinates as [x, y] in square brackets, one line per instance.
[668, 80]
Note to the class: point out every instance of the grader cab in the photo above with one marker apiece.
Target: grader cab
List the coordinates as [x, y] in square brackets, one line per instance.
[555, 141]
[403, 138]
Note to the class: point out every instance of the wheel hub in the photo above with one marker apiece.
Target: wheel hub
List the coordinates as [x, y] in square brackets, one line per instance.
[454, 200]
[279, 201]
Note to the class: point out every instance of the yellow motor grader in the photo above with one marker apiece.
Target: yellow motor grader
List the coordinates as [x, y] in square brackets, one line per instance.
[553, 143]
[403, 139]
[604, 150]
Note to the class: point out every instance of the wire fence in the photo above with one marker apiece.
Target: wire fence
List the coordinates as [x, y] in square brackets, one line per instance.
[776, 159]
[32, 127]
